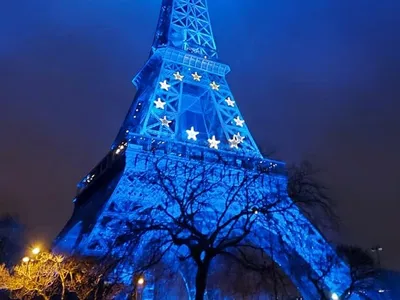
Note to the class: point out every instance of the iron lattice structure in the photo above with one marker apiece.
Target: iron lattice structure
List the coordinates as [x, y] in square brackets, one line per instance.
[183, 110]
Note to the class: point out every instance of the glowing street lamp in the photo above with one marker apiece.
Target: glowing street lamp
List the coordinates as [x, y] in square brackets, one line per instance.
[36, 250]
[140, 281]
[26, 259]
[376, 249]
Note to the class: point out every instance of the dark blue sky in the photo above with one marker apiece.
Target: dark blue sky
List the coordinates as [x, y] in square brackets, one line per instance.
[314, 79]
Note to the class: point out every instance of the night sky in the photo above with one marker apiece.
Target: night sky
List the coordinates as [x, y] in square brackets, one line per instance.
[314, 79]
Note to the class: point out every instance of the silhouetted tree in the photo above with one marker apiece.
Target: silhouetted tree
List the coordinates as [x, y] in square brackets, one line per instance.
[363, 272]
[210, 210]
[311, 196]
[12, 239]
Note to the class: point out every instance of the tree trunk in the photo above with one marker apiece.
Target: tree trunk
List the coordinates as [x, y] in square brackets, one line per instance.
[62, 290]
[201, 279]
[44, 296]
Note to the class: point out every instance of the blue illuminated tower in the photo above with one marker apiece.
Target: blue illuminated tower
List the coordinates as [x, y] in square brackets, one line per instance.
[182, 87]
[185, 110]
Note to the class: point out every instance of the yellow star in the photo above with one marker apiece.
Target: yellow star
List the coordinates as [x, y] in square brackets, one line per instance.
[214, 86]
[238, 121]
[192, 134]
[165, 122]
[213, 142]
[230, 102]
[164, 85]
[178, 76]
[234, 142]
[239, 138]
[159, 103]
[196, 77]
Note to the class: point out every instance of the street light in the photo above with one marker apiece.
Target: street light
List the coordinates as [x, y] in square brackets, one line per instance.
[26, 259]
[140, 281]
[36, 250]
[376, 249]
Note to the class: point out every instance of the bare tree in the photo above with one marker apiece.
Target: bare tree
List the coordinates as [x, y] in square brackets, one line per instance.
[203, 211]
[35, 278]
[91, 278]
[311, 196]
[4, 277]
[12, 239]
[363, 280]
[233, 279]
[363, 272]
[49, 274]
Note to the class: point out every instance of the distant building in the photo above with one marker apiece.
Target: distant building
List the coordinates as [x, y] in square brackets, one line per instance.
[11, 239]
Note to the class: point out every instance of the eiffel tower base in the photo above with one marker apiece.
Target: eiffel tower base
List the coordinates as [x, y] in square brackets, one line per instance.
[103, 212]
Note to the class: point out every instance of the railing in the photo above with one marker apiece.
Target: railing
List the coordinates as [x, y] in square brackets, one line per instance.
[184, 150]
[193, 61]
[160, 146]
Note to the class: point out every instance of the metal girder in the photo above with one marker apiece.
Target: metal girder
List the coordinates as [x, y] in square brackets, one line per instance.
[185, 25]
[186, 97]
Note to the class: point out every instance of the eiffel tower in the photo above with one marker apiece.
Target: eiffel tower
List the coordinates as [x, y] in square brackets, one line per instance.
[184, 110]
